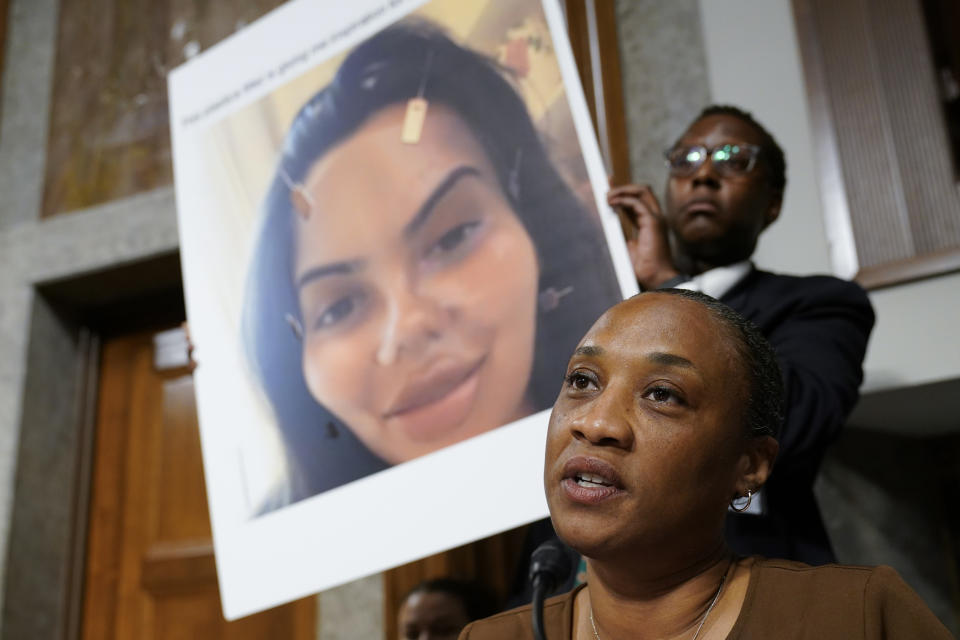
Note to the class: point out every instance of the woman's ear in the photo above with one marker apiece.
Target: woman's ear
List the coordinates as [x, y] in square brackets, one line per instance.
[756, 463]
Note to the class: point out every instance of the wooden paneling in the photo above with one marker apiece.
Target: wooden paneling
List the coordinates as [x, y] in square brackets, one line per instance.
[863, 133]
[579, 33]
[880, 134]
[592, 28]
[918, 130]
[910, 269]
[616, 121]
[150, 570]
[109, 134]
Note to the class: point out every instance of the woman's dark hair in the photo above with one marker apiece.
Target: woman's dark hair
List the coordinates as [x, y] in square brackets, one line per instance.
[771, 154]
[478, 601]
[764, 414]
[388, 69]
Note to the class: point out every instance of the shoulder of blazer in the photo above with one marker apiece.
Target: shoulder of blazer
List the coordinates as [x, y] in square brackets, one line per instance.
[763, 286]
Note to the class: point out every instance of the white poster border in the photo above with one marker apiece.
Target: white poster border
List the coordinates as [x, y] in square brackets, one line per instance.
[371, 524]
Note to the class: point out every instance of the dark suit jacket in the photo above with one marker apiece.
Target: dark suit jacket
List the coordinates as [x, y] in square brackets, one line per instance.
[819, 327]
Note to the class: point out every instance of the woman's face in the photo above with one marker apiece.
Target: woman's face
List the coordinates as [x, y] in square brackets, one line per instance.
[417, 286]
[646, 444]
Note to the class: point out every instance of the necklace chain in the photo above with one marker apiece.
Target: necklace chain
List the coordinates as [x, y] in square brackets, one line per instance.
[723, 578]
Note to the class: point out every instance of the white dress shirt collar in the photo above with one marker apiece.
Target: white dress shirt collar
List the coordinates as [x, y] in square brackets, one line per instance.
[718, 281]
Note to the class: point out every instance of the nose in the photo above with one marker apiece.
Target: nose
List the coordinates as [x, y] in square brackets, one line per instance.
[606, 420]
[413, 320]
[706, 174]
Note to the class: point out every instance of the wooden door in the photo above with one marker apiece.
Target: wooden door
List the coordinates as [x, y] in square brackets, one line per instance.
[150, 571]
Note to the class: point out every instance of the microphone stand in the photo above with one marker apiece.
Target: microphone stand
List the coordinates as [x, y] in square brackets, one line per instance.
[540, 589]
[549, 566]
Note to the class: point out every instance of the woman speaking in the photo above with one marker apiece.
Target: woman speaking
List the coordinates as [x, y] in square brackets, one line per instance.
[667, 417]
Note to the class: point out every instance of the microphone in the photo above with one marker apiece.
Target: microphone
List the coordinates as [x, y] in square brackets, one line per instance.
[549, 567]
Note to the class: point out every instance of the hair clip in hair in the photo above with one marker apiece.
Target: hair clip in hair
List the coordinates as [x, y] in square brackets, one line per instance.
[294, 325]
[513, 182]
[302, 200]
[416, 113]
[550, 297]
[413, 121]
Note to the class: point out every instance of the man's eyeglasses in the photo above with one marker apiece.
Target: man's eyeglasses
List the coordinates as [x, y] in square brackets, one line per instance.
[729, 159]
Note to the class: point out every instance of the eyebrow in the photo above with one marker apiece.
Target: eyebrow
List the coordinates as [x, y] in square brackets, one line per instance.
[589, 350]
[334, 268]
[429, 205]
[669, 359]
[419, 219]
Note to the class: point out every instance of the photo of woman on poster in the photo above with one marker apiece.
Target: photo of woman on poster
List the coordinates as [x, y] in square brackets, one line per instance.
[421, 268]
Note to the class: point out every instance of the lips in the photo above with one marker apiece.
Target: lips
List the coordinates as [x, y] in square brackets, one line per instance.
[700, 206]
[590, 480]
[432, 404]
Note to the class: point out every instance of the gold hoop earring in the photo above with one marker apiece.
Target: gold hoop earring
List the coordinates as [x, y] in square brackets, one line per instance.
[742, 506]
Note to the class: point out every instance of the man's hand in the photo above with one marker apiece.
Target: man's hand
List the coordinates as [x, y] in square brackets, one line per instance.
[646, 232]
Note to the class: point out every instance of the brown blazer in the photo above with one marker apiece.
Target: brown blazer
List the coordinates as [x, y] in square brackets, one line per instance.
[784, 600]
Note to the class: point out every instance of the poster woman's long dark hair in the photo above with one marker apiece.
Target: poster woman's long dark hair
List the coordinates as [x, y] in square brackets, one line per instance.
[387, 69]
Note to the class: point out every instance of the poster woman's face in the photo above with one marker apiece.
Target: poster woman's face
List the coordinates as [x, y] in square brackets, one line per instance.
[417, 286]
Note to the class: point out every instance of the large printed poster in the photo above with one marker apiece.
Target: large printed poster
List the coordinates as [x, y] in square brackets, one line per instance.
[392, 236]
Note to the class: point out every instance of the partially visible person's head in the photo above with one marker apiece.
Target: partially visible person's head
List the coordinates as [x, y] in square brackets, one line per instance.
[414, 270]
[718, 202]
[668, 412]
[438, 609]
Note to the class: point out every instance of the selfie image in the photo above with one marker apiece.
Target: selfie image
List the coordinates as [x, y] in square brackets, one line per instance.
[398, 246]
